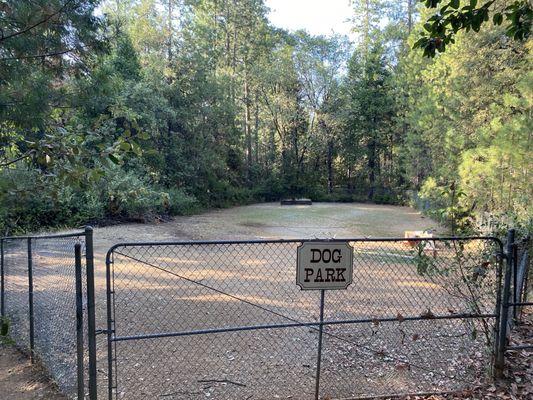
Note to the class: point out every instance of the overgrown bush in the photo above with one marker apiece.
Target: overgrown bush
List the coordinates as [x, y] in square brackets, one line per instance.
[129, 197]
[31, 201]
[181, 203]
[26, 201]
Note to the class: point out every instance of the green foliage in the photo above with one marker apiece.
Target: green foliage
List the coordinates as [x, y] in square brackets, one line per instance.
[469, 128]
[154, 111]
[368, 141]
[447, 206]
[441, 28]
[20, 208]
[181, 203]
[4, 327]
[126, 196]
[4, 331]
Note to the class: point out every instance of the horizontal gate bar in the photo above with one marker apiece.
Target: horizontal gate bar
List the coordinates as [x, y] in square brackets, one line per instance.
[522, 347]
[266, 241]
[519, 304]
[296, 325]
[58, 236]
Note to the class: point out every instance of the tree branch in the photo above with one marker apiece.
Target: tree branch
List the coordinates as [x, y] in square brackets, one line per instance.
[25, 155]
[43, 21]
[57, 53]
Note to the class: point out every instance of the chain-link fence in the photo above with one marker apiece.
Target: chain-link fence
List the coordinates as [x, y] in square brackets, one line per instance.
[44, 303]
[226, 320]
[516, 289]
[521, 275]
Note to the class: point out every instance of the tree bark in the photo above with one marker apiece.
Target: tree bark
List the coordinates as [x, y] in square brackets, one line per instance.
[247, 118]
[256, 128]
[330, 166]
[371, 168]
[169, 43]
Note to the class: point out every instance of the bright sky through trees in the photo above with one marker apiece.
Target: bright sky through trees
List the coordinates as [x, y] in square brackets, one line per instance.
[318, 17]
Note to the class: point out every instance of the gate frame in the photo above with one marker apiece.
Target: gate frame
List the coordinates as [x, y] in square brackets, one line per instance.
[110, 295]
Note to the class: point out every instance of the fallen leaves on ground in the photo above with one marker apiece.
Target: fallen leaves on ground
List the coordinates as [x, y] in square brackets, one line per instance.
[517, 383]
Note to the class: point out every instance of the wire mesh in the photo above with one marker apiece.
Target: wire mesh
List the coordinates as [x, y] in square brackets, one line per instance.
[423, 318]
[54, 303]
[16, 291]
[55, 308]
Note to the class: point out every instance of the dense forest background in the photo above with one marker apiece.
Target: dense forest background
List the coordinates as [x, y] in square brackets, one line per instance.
[136, 109]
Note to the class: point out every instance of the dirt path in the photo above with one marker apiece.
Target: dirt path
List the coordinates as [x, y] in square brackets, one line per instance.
[272, 221]
[21, 381]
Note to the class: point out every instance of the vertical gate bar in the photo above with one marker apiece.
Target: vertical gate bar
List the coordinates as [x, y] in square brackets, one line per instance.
[498, 308]
[30, 301]
[516, 289]
[319, 356]
[109, 329]
[91, 323]
[2, 282]
[79, 321]
[504, 315]
[524, 298]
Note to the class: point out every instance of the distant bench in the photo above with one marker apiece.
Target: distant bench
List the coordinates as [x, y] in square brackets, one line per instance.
[294, 202]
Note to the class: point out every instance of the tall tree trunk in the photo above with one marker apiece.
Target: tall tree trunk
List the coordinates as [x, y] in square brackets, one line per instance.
[247, 118]
[371, 168]
[271, 148]
[169, 39]
[350, 185]
[410, 15]
[256, 128]
[330, 166]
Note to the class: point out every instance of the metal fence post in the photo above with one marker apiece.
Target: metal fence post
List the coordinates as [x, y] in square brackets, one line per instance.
[30, 301]
[2, 281]
[79, 321]
[319, 356]
[109, 326]
[504, 314]
[511, 254]
[517, 289]
[526, 259]
[91, 323]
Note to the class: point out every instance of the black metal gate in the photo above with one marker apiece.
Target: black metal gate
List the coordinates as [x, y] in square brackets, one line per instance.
[225, 320]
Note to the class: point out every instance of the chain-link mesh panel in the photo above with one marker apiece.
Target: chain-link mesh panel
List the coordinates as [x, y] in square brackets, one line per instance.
[423, 316]
[186, 288]
[387, 358]
[16, 291]
[54, 288]
[419, 297]
[54, 303]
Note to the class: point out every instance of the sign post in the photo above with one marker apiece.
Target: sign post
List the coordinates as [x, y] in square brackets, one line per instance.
[323, 266]
[319, 356]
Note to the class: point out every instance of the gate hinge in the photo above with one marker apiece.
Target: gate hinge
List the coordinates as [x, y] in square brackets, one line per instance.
[103, 331]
